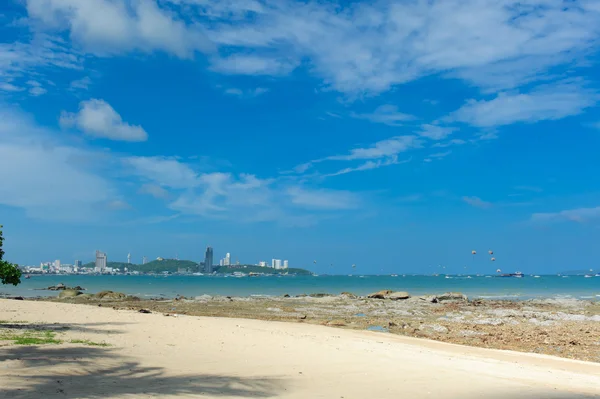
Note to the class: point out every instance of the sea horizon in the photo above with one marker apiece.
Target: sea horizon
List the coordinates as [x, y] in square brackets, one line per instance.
[170, 286]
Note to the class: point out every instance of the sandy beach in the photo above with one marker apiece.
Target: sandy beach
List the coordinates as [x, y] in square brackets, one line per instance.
[152, 355]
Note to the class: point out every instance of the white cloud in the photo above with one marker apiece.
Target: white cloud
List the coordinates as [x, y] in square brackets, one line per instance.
[164, 171]
[436, 132]
[97, 118]
[386, 114]
[243, 198]
[368, 48]
[323, 199]
[246, 94]
[81, 84]
[477, 202]
[10, 87]
[154, 190]
[37, 91]
[449, 143]
[44, 174]
[368, 166]
[252, 65]
[381, 149]
[440, 154]
[580, 215]
[106, 27]
[549, 102]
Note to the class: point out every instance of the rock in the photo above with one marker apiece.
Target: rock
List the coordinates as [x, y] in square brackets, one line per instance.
[16, 298]
[380, 294]
[286, 296]
[203, 298]
[430, 298]
[144, 311]
[57, 287]
[110, 295]
[348, 295]
[335, 323]
[394, 296]
[452, 296]
[319, 295]
[69, 293]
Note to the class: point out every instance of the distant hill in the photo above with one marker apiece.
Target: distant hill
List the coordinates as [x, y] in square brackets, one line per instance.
[258, 269]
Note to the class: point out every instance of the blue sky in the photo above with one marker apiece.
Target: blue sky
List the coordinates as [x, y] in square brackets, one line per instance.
[393, 135]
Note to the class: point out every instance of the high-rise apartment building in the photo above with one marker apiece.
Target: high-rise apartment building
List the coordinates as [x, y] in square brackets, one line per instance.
[77, 263]
[227, 260]
[285, 264]
[262, 263]
[129, 258]
[100, 262]
[276, 263]
[208, 260]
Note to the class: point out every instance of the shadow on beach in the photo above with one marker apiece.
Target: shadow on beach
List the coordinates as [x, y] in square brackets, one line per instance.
[88, 372]
[92, 328]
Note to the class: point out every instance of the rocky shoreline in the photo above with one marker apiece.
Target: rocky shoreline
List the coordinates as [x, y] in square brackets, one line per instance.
[567, 328]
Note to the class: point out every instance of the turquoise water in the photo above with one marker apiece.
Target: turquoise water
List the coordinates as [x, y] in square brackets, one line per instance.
[155, 286]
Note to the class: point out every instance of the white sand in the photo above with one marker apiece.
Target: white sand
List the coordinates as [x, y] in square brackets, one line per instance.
[189, 357]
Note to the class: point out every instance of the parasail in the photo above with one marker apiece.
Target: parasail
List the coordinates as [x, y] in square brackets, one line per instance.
[473, 252]
[493, 259]
[498, 271]
[354, 266]
[491, 252]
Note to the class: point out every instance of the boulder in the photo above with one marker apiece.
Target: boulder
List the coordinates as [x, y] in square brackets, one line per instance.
[57, 287]
[380, 294]
[348, 295]
[452, 297]
[394, 296]
[430, 298]
[69, 293]
[110, 295]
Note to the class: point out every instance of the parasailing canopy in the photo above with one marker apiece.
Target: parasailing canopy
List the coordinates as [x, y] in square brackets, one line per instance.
[491, 252]
[473, 252]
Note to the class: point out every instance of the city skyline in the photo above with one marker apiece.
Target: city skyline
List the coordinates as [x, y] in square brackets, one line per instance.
[396, 136]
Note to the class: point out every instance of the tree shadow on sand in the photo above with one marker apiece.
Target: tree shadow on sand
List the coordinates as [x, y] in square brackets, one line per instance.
[88, 372]
[93, 328]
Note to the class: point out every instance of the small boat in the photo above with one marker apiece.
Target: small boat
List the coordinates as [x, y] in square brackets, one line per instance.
[393, 275]
[597, 275]
[517, 275]
[536, 276]
[588, 276]
[28, 276]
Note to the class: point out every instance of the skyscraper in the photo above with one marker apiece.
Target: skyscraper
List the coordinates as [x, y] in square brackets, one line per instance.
[227, 261]
[208, 260]
[285, 264]
[129, 258]
[100, 262]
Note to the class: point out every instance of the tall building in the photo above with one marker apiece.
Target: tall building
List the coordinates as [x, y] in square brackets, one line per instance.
[78, 263]
[262, 263]
[208, 260]
[144, 259]
[285, 264]
[276, 263]
[57, 264]
[129, 258]
[221, 262]
[100, 262]
[227, 261]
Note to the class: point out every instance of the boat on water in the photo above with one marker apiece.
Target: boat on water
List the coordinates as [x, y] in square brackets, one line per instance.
[516, 274]
[588, 276]
[28, 276]
[393, 275]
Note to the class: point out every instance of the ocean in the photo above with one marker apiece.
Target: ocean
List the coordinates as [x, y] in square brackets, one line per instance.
[190, 286]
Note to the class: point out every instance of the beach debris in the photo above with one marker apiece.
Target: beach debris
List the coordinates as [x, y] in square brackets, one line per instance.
[69, 293]
[394, 296]
[380, 294]
[144, 311]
